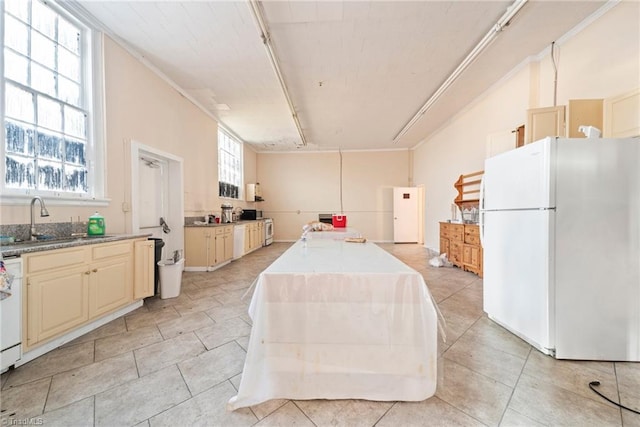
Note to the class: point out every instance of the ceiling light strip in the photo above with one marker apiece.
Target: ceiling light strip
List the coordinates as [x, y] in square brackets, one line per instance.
[477, 50]
[266, 39]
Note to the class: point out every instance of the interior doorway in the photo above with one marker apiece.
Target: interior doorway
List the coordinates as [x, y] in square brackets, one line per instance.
[157, 196]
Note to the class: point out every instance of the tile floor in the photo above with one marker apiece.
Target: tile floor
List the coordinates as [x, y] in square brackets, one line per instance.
[178, 361]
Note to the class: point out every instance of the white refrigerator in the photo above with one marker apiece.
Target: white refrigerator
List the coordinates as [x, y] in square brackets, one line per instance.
[560, 229]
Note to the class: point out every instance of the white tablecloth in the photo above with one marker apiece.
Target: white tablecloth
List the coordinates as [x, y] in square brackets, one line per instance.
[337, 320]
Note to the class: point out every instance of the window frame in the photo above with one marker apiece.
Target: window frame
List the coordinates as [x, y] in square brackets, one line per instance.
[92, 75]
[222, 132]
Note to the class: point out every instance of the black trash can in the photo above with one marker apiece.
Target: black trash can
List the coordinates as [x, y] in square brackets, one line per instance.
[159, 244]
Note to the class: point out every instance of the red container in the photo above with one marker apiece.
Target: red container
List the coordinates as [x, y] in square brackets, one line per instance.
[339, 221]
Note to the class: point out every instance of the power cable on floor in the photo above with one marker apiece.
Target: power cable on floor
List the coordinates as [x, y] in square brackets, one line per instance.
[593, 384]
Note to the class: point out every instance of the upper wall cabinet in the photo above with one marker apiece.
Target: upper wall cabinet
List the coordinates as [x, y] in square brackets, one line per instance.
[564, 121]
[543, 122]
[622, 115]
[583, 112]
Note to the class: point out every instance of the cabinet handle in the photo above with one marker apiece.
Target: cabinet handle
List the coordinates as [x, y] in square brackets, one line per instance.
[87, 273]
[95, 270]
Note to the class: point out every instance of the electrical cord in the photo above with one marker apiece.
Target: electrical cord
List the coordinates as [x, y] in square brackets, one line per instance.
[594, 384]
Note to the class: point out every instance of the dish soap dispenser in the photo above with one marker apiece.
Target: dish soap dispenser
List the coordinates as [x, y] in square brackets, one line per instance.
[96, 225]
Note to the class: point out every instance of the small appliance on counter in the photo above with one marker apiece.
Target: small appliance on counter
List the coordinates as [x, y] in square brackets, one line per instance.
[250, 214]
[227, 213]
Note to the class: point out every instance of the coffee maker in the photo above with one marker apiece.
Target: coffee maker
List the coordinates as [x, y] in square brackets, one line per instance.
[227, 215]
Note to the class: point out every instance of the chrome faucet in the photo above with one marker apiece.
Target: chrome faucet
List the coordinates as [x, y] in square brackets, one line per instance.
[43, 212]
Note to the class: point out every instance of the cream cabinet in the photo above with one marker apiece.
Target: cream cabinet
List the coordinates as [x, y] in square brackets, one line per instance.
[69, 287]
[622, 115]
[253, 236]
[198, 250]
[143, 276]
[543, 122]
[110, 278]
[564, 121]
[224, 244]
[207, 247]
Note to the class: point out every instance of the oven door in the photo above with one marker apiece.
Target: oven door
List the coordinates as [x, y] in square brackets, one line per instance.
[268, 232]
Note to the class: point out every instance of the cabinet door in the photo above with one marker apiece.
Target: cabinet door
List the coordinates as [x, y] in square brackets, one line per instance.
[543, 122]
[228, 243]
[622, 115]
[444, 246]
[56, 302]
[110, 285]
[456, 253]
[247, 238]
[219, 248]
[583, 112]
[143, 280]
[196, 247]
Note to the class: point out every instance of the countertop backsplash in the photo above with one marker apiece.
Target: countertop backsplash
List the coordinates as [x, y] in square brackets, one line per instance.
[53, 229]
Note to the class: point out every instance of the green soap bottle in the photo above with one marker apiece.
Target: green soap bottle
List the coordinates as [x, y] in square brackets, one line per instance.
[96, 225]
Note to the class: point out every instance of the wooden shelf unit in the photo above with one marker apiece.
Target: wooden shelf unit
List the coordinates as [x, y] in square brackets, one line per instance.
[468, 187]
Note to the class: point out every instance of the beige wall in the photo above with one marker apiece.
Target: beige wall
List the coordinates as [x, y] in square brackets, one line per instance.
[602, 60]
[298, 186]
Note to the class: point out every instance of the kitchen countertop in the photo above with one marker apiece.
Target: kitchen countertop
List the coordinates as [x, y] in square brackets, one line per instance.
[19, 248]
[244, 221]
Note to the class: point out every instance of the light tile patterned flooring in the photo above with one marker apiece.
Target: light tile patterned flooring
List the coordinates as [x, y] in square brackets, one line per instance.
[178, 361]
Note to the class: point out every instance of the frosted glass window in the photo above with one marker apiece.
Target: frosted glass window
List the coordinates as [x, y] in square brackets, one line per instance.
[44, 19]
[69, 64]
[74, 122]
[229, 166]
[19, 104]
[50, 175]
[16, 67]
[43, 79]
[43, 50]
[16, 35]
[69, 91]
[69, 36]
[17, 8]
[49, 114]
[47, 145]
[19, 139]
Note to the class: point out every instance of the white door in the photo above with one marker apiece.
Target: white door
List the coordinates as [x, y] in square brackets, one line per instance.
[405, 214]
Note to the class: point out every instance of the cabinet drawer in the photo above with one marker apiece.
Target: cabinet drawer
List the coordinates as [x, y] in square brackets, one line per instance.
[219, 231]
[472, 229]
[472, 239]
[110, 250]
[56, 259]
[457, 233]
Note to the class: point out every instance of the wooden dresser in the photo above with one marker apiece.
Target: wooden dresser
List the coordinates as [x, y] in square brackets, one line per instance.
[461, 243]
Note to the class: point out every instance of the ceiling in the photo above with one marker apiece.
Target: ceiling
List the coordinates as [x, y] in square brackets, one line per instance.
[356, 71]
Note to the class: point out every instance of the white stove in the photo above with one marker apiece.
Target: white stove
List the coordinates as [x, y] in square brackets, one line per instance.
[268, 231]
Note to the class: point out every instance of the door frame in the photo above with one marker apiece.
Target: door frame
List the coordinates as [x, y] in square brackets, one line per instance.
[175, 203]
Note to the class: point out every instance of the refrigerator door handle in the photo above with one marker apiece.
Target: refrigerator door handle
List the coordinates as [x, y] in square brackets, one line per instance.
[481, 218]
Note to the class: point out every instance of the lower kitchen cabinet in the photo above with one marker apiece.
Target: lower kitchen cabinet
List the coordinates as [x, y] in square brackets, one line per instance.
[207, 247]
[67, 288]
[110, 278]
[144, 269]
[461, 243]
[55, 303]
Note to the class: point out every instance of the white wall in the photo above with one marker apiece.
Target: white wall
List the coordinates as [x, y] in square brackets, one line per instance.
[602, 60]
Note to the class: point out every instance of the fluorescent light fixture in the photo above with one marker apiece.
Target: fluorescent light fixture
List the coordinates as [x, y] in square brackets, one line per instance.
[477, 50]
[256, 8]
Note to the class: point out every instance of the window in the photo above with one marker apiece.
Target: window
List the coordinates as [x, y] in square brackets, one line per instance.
[49, 140]
[229, 166]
